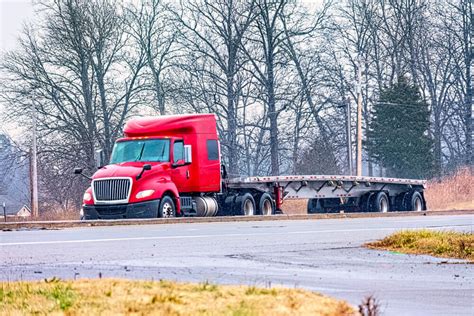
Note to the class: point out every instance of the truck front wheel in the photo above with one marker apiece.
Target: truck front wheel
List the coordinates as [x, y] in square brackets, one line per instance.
[167, 208]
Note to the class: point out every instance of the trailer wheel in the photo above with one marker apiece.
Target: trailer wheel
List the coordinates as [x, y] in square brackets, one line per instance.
[365, 202]
[314, 206]
[265, 205]
[413, 201]
[400, 202]
[381, 203]
[167, 208]
[245, 205]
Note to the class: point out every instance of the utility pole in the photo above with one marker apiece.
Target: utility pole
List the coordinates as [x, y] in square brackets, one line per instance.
[34, 169]
[359, 117]
[349, 136]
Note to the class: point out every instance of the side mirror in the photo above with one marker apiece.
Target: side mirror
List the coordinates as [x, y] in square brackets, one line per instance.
[145, 168]
[99, 158]
[187, 154]
[79, 171]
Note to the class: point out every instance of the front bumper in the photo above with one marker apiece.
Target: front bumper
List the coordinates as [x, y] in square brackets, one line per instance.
[147, 209]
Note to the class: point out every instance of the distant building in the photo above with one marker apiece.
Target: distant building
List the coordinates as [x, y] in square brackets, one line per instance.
[24, 212]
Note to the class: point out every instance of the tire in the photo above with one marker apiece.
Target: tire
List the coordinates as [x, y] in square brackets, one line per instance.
[381, 203]
[314, 206]
[167, 208]
[414, 201]
[400, 202]
[365, 202]
[266, 207]
[245, 205]
[227, 208]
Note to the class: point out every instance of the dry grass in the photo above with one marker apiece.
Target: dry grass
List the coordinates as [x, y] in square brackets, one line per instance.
[59, 215]
[120, 297]
[451, 193]
[46, 216]
[446, 244]
[293, 207]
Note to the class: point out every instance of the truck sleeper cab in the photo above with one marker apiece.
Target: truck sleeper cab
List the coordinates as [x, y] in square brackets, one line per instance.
[157, 168]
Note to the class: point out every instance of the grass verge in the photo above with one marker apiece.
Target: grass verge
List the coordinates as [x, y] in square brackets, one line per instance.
[452, 192]
[118, 297]
[446, 244]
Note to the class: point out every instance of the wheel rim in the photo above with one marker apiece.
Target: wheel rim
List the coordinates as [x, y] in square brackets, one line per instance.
[418, 204]
[167, 210]
[267, 207]
[383, 205]
[248, 207]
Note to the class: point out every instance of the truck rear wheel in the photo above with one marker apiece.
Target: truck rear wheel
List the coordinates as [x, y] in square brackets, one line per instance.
[266, 206]
[245, 205]
[167, 208]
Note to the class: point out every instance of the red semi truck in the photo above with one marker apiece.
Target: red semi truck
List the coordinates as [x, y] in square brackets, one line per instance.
[170, 166]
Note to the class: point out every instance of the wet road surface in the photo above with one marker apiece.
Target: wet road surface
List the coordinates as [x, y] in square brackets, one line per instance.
[320, 255]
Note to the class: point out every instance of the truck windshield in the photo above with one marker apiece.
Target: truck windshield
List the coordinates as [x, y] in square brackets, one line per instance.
[154, 150]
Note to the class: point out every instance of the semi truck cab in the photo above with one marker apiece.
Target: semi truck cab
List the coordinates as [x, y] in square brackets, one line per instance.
[158, 169]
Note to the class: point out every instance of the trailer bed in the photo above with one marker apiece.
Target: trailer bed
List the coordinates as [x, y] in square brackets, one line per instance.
[326, 186]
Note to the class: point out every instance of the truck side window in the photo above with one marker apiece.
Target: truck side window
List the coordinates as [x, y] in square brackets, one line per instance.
[178, 151]
[212, 150]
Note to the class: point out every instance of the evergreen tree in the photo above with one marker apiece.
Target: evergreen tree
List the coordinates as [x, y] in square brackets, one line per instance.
[398, 136]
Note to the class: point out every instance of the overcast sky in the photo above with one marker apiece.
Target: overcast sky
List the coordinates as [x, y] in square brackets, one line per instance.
[13, 13]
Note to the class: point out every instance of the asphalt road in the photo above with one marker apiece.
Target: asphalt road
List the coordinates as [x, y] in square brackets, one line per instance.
[321, 255]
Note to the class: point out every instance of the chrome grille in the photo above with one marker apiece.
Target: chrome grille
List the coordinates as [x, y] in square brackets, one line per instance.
[110, 190]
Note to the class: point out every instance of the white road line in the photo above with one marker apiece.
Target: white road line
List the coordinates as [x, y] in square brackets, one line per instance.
[78, 241]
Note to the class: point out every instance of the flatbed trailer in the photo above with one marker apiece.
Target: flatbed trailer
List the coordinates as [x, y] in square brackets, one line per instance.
[330, 193]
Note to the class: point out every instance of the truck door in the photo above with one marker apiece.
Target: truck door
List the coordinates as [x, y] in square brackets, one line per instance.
[180, 172]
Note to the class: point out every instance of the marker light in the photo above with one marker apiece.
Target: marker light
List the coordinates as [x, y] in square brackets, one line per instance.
[144, 194]
[87, 197]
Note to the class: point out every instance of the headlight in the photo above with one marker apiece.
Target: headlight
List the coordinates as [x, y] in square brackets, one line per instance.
[87, 197]
[144, 194]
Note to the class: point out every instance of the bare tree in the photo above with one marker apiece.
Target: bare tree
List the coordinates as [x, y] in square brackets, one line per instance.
[152, 28]
[79, 75]
[264, 52]
[213, 32]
